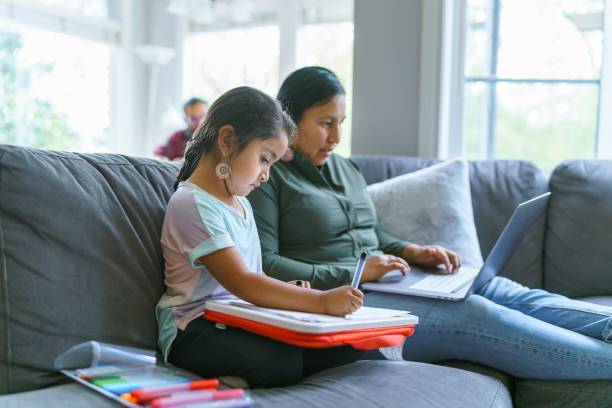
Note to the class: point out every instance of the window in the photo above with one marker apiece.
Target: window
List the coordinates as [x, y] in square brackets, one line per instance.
[532, 79]
[331, 45]
[217, 61]
[54, 90]
[236, 43]
[90, 8]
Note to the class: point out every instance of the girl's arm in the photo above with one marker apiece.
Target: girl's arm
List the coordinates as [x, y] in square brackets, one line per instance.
[230, 271]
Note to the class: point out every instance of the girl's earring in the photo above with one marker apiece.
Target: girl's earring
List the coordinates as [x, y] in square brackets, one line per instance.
[223, 170]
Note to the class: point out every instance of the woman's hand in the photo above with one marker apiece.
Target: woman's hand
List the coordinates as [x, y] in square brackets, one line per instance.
[378, 265]
[433, 255]
[302, 283]
[341, 301]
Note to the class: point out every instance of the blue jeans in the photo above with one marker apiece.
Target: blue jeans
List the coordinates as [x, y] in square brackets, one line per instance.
[528, 333]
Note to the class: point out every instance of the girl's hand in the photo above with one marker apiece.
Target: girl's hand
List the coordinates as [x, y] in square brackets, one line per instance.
[302, 283]
[433, 255]
[378, 265]
[341, 301]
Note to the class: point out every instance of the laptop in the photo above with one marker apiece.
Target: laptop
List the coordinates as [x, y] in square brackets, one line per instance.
[435, 283]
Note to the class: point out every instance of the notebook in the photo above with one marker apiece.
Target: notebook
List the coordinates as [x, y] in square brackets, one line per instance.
[363, 318]
[458, 286]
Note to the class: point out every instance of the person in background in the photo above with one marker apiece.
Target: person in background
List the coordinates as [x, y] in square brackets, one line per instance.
[195, 111]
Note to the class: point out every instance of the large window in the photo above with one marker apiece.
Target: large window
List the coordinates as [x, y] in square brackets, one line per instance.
[217, 61]
[532, 79]
[54, 90]
[331, 45]
[56, 59]
[223, 51]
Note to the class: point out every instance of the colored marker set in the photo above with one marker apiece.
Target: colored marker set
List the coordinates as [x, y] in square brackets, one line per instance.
[159, 387]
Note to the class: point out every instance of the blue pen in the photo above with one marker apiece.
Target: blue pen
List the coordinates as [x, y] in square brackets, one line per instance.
[359, 270]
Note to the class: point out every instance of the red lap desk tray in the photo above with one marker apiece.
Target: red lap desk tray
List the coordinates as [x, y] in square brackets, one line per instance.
[370, 328]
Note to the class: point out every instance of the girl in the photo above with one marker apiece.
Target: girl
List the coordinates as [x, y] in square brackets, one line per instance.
[211, 251]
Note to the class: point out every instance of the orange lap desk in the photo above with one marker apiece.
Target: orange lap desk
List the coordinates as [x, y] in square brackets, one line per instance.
[371, 328]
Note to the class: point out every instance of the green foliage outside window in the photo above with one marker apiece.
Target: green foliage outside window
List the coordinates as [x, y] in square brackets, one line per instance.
[34, 122]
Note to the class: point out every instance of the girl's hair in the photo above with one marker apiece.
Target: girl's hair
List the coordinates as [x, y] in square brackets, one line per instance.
[307, 87]
[252, 114]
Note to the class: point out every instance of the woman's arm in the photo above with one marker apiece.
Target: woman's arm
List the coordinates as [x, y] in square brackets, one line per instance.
[425, 255]
[227, 267]
[265, 207]
[390, 244]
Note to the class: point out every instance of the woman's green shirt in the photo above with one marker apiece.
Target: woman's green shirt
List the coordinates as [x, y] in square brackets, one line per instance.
[314, 222]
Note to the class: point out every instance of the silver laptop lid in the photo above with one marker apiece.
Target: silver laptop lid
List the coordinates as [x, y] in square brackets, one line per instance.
[522, 219]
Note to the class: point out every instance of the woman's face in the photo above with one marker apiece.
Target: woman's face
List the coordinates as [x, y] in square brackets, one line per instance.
[319, 130]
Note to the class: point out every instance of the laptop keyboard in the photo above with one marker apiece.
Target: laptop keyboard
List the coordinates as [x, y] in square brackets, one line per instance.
[446, 283]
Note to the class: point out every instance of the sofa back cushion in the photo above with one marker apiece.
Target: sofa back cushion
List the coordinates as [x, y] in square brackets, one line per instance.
[80, 257]
[497, 187]
[578, 238]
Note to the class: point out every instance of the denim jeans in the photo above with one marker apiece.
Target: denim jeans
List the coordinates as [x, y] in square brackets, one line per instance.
[528, 333]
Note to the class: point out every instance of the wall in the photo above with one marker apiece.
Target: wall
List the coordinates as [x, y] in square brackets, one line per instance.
[386, 71]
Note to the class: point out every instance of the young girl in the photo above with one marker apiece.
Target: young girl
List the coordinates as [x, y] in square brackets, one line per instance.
[211, 250]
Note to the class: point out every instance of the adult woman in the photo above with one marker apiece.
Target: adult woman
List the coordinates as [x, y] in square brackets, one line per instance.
[317, 202]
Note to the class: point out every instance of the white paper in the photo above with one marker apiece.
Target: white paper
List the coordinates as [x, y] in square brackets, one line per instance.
[363, 313]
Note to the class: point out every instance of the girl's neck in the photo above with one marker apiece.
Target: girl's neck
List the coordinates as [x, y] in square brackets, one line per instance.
[205, 177]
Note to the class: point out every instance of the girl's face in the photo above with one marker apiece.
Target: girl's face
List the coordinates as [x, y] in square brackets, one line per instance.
[319, 130]
[251, 166]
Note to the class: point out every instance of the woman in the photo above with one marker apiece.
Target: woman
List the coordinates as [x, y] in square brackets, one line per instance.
[316, 201]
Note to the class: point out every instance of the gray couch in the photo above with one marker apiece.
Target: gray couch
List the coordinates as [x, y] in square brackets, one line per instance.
[80, 259]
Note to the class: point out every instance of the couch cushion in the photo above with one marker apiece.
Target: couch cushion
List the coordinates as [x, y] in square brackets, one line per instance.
[80, 256]
[578, 236]
[600, 300]
[497, 187]
[362, 384]
[430, 206]
[567, 394]
[390, 384]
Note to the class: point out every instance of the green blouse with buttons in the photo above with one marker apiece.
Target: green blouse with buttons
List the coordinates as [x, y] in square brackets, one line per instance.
[314, 222]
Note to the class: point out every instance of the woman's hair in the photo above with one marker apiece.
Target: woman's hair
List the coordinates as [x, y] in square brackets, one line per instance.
[307, 87]
[252, 114]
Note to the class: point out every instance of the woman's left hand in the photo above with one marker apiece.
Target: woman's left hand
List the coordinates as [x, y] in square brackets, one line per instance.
[432, 255]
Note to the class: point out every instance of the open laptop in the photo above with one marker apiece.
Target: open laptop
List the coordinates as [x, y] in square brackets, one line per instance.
[432, 282]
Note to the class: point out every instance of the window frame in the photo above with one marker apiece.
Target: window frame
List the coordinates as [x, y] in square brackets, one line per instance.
[109, 31]
[491, 80]
[445, 29]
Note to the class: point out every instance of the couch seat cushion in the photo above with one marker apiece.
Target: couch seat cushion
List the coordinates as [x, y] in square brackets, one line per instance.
[544, 394]
[600, 300]
[390, 384]
[361, 384]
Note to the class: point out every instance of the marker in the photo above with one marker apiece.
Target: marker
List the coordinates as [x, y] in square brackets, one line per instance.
[145, 394]
[101, 382]
[128, 397]
[196, 396]
[359, 270]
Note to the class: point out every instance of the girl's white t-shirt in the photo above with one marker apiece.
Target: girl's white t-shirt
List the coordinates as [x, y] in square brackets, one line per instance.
[197, 224]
